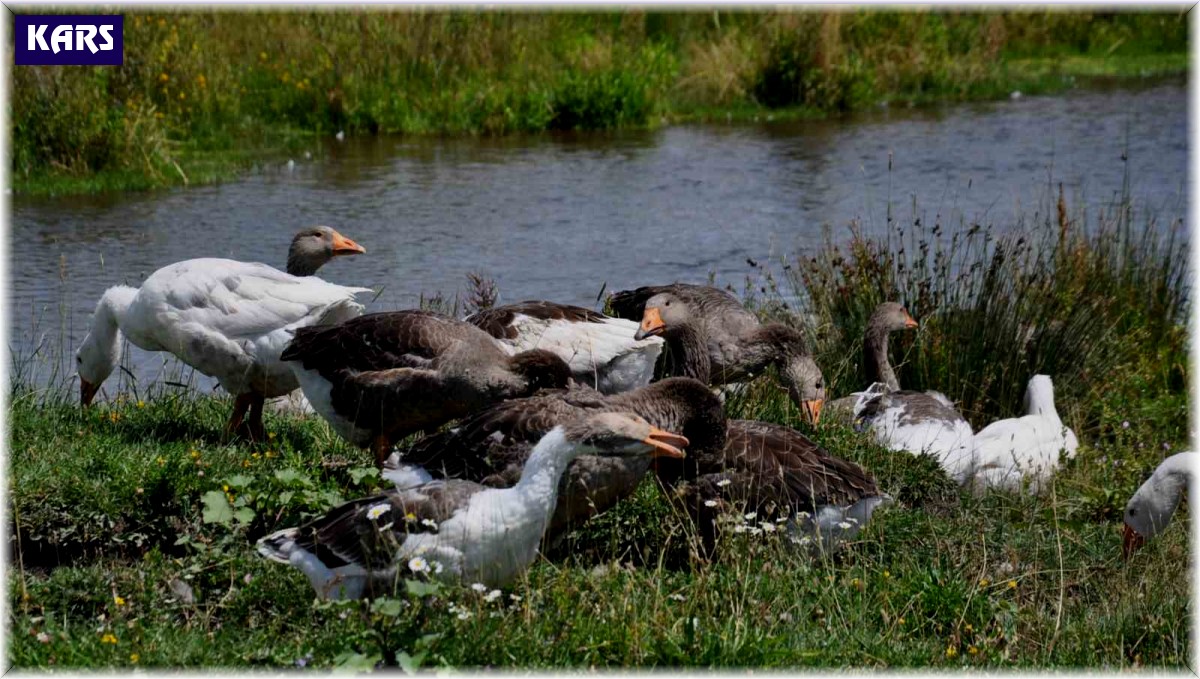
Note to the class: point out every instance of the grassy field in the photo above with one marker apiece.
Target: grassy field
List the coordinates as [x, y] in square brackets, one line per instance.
[133, 524]
[203, 95]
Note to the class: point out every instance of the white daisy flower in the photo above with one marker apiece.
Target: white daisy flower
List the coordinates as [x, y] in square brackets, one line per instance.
[492, 595]
[740, 528]
[754, 530]
[514, 597]
[802, 515]
[418, 565]
[464, 615]
[723, 482]
[437, 566]
[479, 587]
[750, 516]
[844, 525]
[710, 503]
[768, 527]
[677, 597]
[429, 522]
[378, 511]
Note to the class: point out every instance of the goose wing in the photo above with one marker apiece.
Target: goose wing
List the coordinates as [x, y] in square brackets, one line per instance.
[492, 445]
[369, 531]
[788, 467]
[380, 341]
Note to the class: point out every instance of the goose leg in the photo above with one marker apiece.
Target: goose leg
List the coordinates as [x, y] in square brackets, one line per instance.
[382, 445]
[240, 404]
[255, 423]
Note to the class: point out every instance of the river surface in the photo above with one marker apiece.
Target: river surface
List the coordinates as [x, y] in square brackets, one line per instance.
[558, 216]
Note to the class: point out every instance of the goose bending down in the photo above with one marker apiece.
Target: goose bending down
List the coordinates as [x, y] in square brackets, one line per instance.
[227, 319]
[713, 338]
[913, 421]
[462, 531]
[1024, 447]
[600, 349]
[1152, 506]
[493, 445]
[380, 377]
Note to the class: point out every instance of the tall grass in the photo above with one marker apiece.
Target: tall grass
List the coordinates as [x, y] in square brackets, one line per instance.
[201, 92]
[1097, 301]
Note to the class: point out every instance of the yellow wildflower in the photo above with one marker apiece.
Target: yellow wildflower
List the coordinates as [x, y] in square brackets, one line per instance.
[163, 77]
[245, 463]
[984, 582]
[271, 435]
[970, 628]
[133, 658]
[162, 22]
[195, 453]
[183, 95]
[972, 650]
[262, 55]
[887, 574]
[161, 461]
[951, 652]
[225, 487]
[119, 600]
[270, 454]
[114, 416]
[108, 639]
[410, 517]
[1012, 584]
[254, 455]
[899, 621]
[141, 404]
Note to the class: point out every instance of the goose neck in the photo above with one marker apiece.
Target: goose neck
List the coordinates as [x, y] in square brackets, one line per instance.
[875, 358]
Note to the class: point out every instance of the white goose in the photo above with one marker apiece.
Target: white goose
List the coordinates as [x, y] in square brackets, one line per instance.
[912, 421]
[465, 531]
[600, 350]
[1152, 506]
[227, 319]
[1023, 447]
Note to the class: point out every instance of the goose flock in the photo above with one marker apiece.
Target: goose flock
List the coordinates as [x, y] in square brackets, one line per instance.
[557, 413]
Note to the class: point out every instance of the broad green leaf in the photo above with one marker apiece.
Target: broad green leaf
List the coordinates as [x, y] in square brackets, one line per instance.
[216, 508]
[244, 515]
[388, 607]
[410, 663]
[240, 481]
[419, 589]
[356, 662]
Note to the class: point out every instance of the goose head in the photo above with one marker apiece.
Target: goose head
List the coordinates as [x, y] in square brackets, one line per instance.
[312, 248]
[622, 434]
[1152, 506]
[662, 313]
[889, 317]
[101, 349]
[805, 385]
[541, 369]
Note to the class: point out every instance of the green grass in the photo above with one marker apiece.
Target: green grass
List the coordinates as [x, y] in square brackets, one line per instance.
[108, 503]
[204, 95]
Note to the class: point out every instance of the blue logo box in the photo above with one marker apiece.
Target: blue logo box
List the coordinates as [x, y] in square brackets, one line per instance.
[69, 39]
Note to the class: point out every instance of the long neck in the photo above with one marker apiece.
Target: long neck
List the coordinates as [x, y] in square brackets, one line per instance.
[690, 354]
[875, 358]
[771, 343]
[1159, 496]
[1039, 399]
[304, 262]
[547, 461]
[110, 315]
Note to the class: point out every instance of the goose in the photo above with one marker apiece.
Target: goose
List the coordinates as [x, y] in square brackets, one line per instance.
[1026, 447]
[492, 446]
[1152, 506]
[462, 531]
[600, 349]
[380, 377]
[225, 318]
[714, 339]
[904, 420]
[773, 473]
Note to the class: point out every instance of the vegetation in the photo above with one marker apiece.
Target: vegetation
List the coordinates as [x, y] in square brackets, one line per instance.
[203, 94]
[133, 523]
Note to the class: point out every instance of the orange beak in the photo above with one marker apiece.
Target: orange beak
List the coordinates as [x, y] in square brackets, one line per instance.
[812, 410]
[345, 246]
[1131, 542]
[665, 443]
[909, 321]
[87, 392]
[652, 324]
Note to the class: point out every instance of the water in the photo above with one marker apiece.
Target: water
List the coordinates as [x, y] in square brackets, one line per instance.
[558, 216]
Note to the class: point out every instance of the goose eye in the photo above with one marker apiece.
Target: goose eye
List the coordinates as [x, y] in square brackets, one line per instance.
[79, 360]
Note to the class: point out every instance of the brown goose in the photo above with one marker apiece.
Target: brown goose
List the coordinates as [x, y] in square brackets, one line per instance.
[714, 339]
[380, 377]
[600, 349]
[775, 473]
[491, 446]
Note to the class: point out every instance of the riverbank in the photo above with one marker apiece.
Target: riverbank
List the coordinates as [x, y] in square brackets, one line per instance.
[203, 96]
[133, 523]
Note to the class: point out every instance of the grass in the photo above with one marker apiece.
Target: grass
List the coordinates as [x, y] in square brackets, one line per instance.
[203, 95]
[133, 523]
